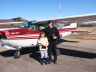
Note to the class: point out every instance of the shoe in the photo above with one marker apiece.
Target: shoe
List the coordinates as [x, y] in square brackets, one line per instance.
[50, 62]
[46, 61]
[42, 61]
[55, 62]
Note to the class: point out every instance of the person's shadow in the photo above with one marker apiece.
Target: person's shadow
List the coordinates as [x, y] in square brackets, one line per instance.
[35, 56]
[63, 40]
[23, 51]
[76, 53]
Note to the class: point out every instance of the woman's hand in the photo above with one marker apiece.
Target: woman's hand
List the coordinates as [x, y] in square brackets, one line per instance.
[44, 45]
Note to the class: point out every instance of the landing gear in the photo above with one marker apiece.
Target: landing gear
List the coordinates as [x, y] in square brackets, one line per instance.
[58, 52]
[17, 54]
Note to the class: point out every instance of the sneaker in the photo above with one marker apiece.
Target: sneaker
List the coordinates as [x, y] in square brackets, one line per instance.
[46, 63]
[42, 63]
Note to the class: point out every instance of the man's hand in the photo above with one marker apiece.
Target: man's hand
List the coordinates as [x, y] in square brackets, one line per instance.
[54, 37]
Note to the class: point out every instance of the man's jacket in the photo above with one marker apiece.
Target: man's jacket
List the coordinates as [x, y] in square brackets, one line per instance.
[50, 32]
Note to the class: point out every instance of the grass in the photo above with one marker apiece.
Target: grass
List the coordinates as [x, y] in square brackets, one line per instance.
[82, 36]
[85, 28]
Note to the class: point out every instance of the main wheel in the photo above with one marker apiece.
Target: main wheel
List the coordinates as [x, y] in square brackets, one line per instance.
[58, 52]
[17, 54]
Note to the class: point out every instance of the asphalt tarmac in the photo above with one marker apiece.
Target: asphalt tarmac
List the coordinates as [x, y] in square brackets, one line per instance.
[76, 55]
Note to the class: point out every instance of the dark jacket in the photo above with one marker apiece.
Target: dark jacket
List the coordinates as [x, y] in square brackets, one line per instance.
[50, 32]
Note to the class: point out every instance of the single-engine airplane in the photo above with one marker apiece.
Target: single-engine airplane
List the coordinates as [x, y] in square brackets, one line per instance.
[28, 33]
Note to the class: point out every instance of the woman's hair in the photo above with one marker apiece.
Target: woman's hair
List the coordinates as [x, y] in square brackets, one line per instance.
[40, 35]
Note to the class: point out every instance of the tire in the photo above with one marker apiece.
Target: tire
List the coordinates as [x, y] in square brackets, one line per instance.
[58, 52]
[17, 54]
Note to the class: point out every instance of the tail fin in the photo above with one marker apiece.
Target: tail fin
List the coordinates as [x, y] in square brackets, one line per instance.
[66, 30]
[72, 25]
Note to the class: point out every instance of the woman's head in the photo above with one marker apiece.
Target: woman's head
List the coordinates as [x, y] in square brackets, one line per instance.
[41, 35]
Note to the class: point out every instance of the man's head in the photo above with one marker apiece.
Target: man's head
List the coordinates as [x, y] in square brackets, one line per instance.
[49, 23]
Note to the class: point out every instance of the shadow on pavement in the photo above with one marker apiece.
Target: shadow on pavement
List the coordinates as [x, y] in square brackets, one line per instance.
[10, 53]
[32, 51]
[63, 40]
[36, 55]
[7, 53]
[76, 53]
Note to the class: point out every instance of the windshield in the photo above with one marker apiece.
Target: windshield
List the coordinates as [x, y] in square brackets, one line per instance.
[29, 24]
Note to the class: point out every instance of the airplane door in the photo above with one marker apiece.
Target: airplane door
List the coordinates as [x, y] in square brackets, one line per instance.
[33, 29]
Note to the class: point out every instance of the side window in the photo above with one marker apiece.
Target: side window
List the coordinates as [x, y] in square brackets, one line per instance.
[41, 28]
[33, 27]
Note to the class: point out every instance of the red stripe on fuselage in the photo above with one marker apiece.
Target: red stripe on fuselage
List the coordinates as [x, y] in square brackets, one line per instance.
[67, 29]
[27, 37]
[34, 36]
[20, 38]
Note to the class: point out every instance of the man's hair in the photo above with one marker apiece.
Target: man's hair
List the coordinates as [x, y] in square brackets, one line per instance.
[49, 21]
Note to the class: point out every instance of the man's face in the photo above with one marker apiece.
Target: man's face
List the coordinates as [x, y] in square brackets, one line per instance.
[50, 24]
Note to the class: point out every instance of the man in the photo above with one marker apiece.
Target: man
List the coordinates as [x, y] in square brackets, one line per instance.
[52, 34]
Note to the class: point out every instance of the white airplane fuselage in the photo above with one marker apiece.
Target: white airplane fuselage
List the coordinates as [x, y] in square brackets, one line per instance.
[25, 37]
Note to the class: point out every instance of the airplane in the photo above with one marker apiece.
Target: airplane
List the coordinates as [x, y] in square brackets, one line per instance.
[28, 33]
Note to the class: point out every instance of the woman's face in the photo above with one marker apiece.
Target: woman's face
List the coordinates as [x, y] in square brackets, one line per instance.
[42, 35]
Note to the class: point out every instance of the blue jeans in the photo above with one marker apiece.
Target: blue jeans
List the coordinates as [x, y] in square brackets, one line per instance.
[43, 53]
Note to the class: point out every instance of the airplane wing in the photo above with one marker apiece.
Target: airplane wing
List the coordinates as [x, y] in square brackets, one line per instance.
[72, 19]
[11, 22]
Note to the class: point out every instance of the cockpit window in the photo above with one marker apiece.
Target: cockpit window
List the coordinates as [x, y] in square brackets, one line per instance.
[33, 27]
[42, 27]
[29, 24]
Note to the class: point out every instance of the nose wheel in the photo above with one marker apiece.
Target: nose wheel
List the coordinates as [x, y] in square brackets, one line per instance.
[17, 54]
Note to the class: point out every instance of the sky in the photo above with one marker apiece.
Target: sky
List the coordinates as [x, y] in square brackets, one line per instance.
[45, 9]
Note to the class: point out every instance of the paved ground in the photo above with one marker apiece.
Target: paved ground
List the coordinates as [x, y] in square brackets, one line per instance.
[77, 55]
